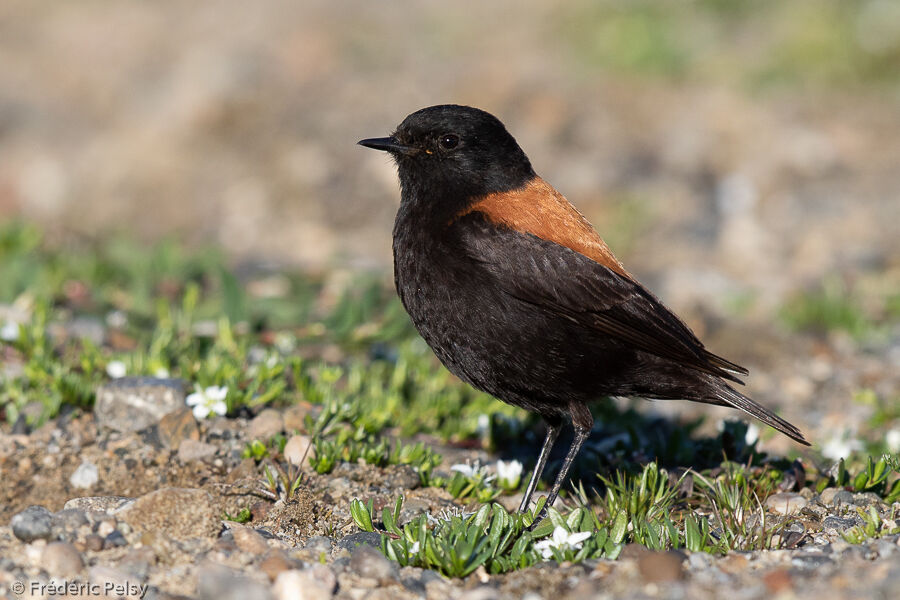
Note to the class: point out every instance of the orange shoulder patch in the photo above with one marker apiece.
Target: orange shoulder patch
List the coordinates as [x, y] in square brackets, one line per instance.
[537, 208]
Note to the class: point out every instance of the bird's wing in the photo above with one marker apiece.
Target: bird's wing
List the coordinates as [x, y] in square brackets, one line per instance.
[558, 278]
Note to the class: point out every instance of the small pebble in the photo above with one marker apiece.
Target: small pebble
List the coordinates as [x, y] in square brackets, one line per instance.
[219, 583]
[93, 542]
[354, 540]
[296, 448]
[190, 450]
[295, 417]
[274, 563]
[835, 496]
[180, 513]
[114, 539]
[67, 522]
[299, 585]
[484, 592]
[249, 540]
[33, 523]
[786, 503]
[85, 476]
[366, 561]
[265, 425]
[319, 544]
[133, 403]
[97, 503]
[178, 427]
[659, 567]
[61, 559]
[106, 527]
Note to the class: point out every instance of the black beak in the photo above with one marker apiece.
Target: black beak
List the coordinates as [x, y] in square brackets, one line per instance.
[388, 144]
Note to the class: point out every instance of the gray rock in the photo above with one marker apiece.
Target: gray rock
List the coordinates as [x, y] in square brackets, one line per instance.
[137, 562]
[177, 427]
[839, 523]
[265, 425]
[190, 450]
[70, 519]
[33, 523]
[219, 583]
[661, 567]
[786, 503]
[133, 403]
[886, 548]
[300, 585]
[835, 496]
[366, 561]
[61, 559]
[699, 561]
[180, 513]
[319, 544]
[67, 524]
[114, 539]
[484, 592]
[402, 477]
[102, 504]
[85, 476]
[811, 561]
[249, 540]
[867, 499]
[361, 538]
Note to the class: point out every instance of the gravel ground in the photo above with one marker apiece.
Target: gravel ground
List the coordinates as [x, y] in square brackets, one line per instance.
[88, 500]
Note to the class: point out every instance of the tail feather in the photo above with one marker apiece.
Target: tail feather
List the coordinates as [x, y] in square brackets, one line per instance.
[726, 365]
[732, 397]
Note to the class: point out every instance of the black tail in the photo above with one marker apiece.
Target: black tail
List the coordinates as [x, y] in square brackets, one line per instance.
[728, 396]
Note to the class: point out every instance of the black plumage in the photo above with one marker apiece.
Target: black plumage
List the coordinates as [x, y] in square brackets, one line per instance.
[517, 294]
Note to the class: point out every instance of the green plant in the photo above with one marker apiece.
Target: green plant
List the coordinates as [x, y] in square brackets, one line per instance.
[458, 544]
[243, 516]
[873, 526]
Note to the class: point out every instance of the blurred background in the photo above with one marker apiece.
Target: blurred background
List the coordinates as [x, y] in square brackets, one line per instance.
[741, 157]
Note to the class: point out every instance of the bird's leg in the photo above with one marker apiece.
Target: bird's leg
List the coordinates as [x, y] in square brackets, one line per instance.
[553, 428]
[583, 423]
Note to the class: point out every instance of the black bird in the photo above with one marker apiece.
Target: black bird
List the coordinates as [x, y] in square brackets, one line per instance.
[519, 296]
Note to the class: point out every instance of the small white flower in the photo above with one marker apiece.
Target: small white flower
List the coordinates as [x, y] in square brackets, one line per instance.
[562, 540]
[9, 332]
[752, 434]
[509, 473]
[117, 319]
[473, 471]
[466, 469]
[892, 439]
[414, 549]
[161, 373]
[116, 369]
[210, 400]
[484, 424]
[841, 447]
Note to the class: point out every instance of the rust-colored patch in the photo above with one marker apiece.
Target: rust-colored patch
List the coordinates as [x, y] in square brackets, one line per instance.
[537, 208]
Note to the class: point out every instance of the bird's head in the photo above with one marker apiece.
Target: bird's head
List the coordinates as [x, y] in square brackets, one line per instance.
[452, 154]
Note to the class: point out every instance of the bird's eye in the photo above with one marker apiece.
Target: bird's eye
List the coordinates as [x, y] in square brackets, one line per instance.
[449, 141]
